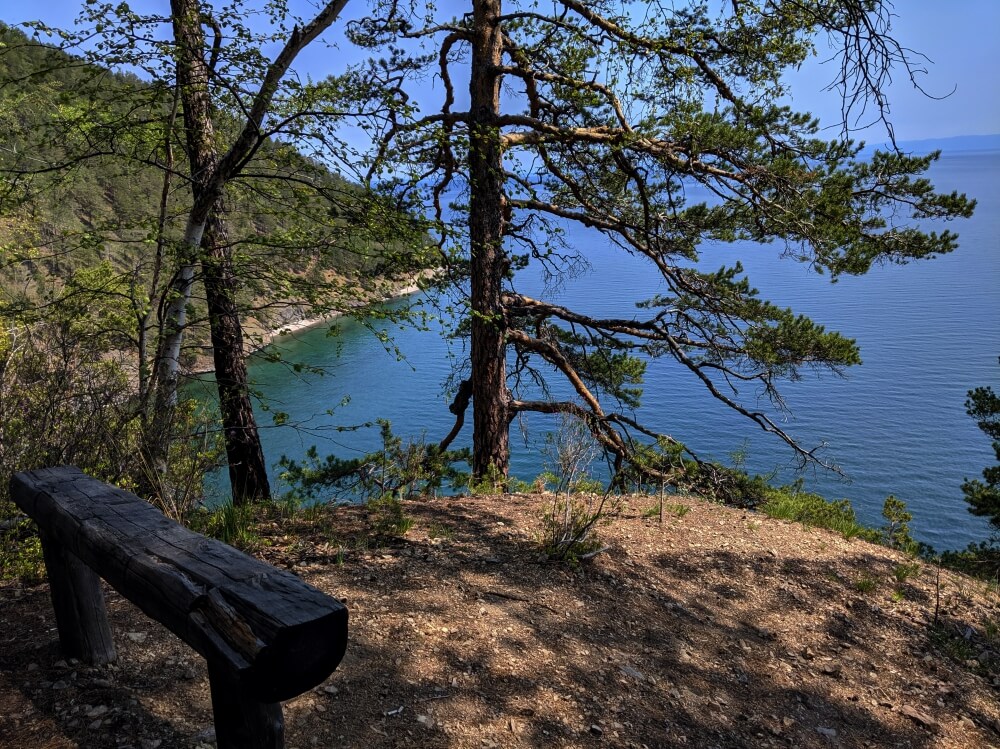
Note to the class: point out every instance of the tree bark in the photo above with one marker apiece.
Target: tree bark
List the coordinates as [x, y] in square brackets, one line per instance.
[247, 470]
[490, 396]
[206, 237]
[192, 83]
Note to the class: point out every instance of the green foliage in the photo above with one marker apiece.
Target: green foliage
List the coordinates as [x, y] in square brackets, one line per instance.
[668, 156]
[669, 508]
[866, 584]
[234, 525]
[387, 516]
[80, 186]
[980, 560]
[903, 572]
[67, 397]
[953, 643]
[400, 468]
[652, 465]
[440, 530]
[20, 549]
[983, 497]
[790, 503]
[567, 526]
[896, 533]
[493, 481]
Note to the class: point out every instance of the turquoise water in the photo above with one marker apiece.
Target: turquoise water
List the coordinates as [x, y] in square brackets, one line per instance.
[928, 333]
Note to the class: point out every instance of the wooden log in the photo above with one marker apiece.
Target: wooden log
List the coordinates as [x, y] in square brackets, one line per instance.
[240, 721]
[78, 600]
[275, 635]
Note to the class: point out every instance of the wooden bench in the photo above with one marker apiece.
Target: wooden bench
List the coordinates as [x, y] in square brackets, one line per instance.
[267, 636]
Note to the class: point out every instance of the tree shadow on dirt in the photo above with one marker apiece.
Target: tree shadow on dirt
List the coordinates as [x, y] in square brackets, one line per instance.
[461, 635]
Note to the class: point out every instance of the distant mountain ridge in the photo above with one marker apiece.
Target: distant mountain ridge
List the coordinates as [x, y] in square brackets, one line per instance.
[954, 144]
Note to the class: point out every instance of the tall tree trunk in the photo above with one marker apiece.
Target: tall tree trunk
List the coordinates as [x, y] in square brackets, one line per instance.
[490, 396]
[192, 83]
[246, 460]
[247, 471]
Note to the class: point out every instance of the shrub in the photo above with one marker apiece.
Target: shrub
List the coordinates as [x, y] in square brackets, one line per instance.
[387, 517]
[567, 526]
[789, 503]
[980, 560]
[400, 468]
[896, 532]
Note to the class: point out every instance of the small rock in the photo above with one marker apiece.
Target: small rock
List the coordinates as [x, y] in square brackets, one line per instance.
[425, 720]
[205, 734]
[94, 726]
[32, 666]
[629, 671]
[60, 685]
[830, 733]
[151, 743]
[596, 730]
[966, 723]
[831, 669]
[97, 712]
[136, 636]
[330, 689]
[917, 716]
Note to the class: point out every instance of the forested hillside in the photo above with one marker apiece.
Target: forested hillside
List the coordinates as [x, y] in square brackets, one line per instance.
[105, 299]
[85, 180]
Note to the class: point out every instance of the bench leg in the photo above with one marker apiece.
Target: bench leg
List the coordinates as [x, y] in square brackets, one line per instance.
[242, 722]
[78, 600]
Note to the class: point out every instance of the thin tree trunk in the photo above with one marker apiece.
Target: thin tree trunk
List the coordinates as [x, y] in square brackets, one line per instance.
[490, 396]
[247, 470]
[147, 368]
[175, 321]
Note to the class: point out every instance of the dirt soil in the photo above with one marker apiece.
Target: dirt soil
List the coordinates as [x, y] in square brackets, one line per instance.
[718, 628]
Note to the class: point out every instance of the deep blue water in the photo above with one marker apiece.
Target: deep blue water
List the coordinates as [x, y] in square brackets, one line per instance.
[928, 333]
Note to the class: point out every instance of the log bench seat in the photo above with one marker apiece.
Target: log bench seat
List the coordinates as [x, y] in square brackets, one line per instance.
[266, 635]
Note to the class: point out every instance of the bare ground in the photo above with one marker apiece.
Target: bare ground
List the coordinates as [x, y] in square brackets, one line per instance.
[718, 628]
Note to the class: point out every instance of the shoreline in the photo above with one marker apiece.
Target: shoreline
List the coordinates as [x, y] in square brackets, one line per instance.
[273, 335]
[306, 323]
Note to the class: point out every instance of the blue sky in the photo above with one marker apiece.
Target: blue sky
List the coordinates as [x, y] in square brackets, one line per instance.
[957, 37]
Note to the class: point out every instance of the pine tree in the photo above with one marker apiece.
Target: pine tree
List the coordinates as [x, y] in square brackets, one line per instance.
[614, 117]
[983, 405]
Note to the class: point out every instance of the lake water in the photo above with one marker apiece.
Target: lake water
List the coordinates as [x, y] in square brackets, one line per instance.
[928, 333]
